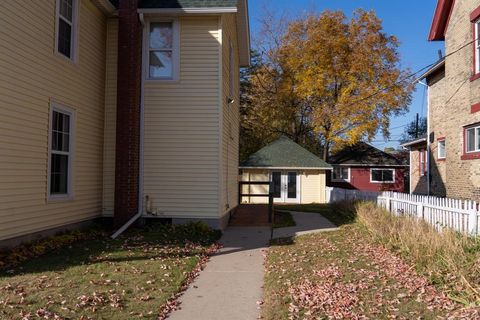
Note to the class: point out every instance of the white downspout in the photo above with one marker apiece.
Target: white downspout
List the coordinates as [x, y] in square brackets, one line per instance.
[141, 161]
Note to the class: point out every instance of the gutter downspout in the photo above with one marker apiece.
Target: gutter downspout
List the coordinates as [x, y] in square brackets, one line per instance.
[141, 161]
[428, 136]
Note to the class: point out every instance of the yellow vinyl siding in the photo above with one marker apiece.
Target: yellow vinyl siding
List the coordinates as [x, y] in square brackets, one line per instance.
[312, 186]
[110, 118]
[255, 175]
[230, 116]
[181, 140]
[32, 76]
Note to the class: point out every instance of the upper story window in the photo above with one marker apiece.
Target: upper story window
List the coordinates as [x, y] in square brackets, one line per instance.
[341, 174]
[66, 28]
[163, 55]
[60, 157]
[442, 153]
[382, 175]
[472, 139]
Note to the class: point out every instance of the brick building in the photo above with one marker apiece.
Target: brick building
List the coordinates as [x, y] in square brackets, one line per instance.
[451, 151]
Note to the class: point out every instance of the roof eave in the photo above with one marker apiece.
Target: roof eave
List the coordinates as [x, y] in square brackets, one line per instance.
[437, 66]
[412, 143]
[105, 6]
[181, 11]
[440, 20]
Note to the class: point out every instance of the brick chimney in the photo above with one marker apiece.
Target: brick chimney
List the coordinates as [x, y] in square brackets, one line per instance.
[127, 158]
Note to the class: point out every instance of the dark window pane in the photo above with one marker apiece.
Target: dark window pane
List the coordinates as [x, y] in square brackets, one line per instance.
[292, 185]
[66, 9]
[64, 38]
[277, 184]
[387, 175]
[59, 174]
[376, 175]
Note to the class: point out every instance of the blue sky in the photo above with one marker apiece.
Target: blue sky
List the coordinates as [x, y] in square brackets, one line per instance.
[408, 20]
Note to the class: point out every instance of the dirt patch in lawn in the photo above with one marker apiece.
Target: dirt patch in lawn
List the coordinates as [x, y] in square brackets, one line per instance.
[137, 276]
[344, 274]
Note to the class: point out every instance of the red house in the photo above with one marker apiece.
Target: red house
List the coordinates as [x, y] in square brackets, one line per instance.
[364, 167]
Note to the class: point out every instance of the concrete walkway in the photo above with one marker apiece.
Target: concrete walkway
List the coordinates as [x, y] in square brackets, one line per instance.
[306, 222]
[232, 281]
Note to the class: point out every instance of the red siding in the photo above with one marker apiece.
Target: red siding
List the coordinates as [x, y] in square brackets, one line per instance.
[360, 180]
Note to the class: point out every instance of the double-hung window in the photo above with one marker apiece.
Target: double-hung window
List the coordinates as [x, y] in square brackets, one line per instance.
[341, 174]
[162, 50]
[61, 131]
[66, 27]
[472, 139]
[442, 153]
[382, 175]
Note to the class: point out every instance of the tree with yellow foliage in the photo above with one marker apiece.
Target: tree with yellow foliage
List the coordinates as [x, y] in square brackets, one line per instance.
[337, 79]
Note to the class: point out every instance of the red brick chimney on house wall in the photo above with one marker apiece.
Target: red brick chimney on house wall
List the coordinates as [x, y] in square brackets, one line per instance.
[127, 156]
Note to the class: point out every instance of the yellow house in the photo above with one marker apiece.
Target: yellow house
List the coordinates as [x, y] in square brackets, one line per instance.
[296, 174]
[121, 109]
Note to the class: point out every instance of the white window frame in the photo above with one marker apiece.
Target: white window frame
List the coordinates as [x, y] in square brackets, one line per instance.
[340, 180]
[476, 128]
[175, 50]
[382, 169]
[422, 153]
[71, 153]
[443, 143]
[74, 24]
[477, 46]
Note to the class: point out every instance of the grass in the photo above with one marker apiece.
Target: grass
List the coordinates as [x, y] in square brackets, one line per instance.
[135, 276]
[283, 219]
[449, 259]
[341, 214]
[351, 273]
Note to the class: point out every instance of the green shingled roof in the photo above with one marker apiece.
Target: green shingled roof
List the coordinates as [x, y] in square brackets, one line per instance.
[183, 3]
[284, 153]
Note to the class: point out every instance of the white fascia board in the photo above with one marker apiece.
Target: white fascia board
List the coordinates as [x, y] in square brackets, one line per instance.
[180, 11]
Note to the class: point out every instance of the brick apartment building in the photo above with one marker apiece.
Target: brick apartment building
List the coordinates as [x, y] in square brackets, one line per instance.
[446, 162]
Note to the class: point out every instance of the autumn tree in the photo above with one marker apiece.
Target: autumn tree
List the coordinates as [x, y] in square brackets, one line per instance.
[335, 78]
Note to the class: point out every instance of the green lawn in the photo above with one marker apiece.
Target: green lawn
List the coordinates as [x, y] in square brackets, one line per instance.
[341, 214]
[132, 277]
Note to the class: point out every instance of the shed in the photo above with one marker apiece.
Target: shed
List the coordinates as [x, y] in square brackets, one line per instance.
[297, 175]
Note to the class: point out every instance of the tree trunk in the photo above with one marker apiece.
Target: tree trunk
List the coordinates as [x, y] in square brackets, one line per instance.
[326, 149]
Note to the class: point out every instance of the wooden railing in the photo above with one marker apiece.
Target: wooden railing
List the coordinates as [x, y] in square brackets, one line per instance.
[268, 195]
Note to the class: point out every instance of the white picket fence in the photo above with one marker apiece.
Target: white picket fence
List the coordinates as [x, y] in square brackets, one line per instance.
[460, 215]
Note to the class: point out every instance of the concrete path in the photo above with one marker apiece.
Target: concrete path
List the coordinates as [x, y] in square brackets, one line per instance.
[307, 222]
[232, 281]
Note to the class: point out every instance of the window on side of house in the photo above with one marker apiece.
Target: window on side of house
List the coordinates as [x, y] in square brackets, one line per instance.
[477, 45]
[66, 28]
[60, 167]
[341, 174]
[382, 175]
[472, 139]
[162, 50]
[442, 152]
[422, 157]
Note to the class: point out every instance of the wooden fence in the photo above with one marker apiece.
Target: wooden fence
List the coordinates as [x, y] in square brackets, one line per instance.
[460, 215]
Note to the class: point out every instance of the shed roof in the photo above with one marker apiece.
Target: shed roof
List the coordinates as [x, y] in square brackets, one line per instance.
[363, 154]
[284, 153]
